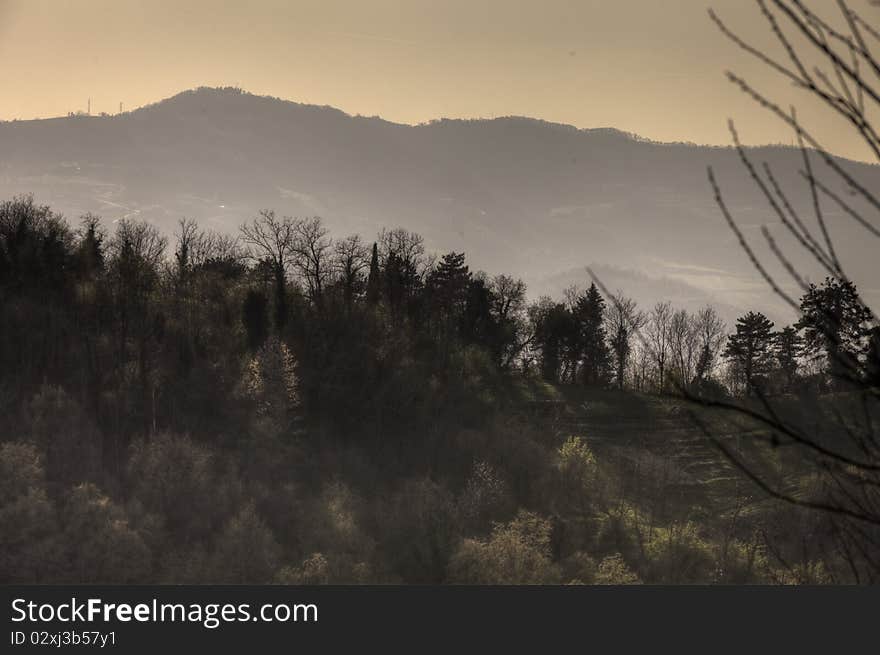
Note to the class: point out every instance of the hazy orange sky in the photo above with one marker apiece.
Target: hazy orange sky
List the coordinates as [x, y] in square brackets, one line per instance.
[653, 67]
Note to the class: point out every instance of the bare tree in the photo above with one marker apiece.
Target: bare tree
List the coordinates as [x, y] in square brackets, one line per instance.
[311, 256]
[351, 258]
[272, 240]
[139, 240]
[508, 296]
[842, 445]
[710, 335]
[624, 319]
[659, 339]
[683, 346]
[137, 251]
[405, 267]
[221, 248]
[408, 247]
[188, 235]
[196, 248]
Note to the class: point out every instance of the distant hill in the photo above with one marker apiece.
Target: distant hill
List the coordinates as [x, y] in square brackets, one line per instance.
[518, 195]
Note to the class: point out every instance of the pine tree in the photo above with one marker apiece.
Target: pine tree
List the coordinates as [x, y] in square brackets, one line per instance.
[750, 349]
[788, 345]
[90, 250]
[554, 326]
[837, 323]
[478, 325]
[593, 346]
[448, 285]
[704, 364]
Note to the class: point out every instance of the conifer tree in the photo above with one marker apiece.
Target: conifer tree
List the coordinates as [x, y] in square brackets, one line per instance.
[590, 315]
[836, 324]
[750, 349]
[373, 278]
[788, 346]
[448, 285]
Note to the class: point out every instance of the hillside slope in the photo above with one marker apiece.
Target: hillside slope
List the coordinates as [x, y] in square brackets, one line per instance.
[519, 195]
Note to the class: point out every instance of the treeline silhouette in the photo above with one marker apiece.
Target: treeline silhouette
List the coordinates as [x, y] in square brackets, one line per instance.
[282, 406]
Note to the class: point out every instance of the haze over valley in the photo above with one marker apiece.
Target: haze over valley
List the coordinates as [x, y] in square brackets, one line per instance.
[537, 199]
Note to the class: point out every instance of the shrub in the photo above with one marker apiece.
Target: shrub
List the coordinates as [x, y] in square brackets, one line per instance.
[70, 441]
[175, 478]
[483, 498]
[27, 518]
[678, 555]
[738, 562]
[332, 523]
[578, 472]
[317, 569]
[314, 570]
[420, 531]
[579, 568]
[245, 551]
[613, 570]
[270, 380]
[100, 545]
[517, 552]
[620, 530]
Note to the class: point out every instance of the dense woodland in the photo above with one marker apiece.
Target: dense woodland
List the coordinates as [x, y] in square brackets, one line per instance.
[287, 406]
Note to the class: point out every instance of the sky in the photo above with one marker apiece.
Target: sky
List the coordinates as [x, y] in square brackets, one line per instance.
[651, 67]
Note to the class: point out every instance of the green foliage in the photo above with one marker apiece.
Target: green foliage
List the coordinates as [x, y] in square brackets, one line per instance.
[296, 409]
[63, 431]
[27, 518]
[373, 277]
[246, 551]
[332, 526]
[750, 350]
[555, 335]
[621, 530]
[175, 478]
[517, 552]
[578, 472]
[579, 568]
[741, 562]
[589, 311]
[613, 570]
[317, 569]
[677, 555]
[270, 382]
[810, 572]
[314, 570]
[788, 348]
[448, 284]
[255, 316]
[484, 499]
[99, 544]
[836, 323]
[419, 528]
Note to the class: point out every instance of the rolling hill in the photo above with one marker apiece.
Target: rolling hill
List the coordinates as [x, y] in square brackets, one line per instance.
[518, 195]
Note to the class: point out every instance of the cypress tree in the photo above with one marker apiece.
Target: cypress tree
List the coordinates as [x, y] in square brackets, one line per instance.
[373, 278]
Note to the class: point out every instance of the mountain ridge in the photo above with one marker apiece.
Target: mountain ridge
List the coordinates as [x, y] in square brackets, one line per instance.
[206, 91]
[523, 196]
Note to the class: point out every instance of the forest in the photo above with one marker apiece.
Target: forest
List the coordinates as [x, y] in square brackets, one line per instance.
[285, 406]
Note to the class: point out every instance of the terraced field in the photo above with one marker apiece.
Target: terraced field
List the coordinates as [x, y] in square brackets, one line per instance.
[647, 436]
